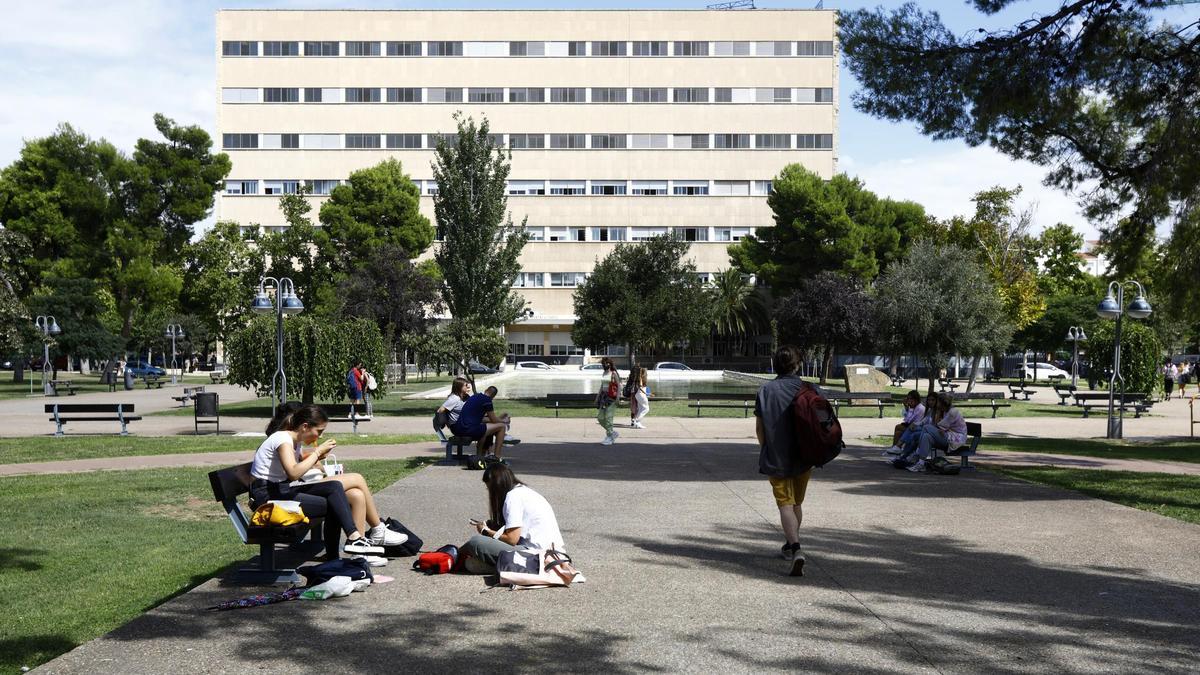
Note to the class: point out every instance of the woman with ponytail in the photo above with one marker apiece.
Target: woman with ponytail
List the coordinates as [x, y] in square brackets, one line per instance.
[280, 463]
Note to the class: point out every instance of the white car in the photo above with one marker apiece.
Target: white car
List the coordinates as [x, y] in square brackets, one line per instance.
[1043, 371]
[533, 365]
[670, 365]
[592, 366]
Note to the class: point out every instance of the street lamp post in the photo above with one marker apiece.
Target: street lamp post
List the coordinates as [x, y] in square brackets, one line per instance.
[48, 326]
[174, 331]
[1075, 335]
[1114, 308]
[288, 303]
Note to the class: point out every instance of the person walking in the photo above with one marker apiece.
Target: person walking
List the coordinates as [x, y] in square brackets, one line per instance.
[1169, 373]
[775, 427]
[606, 400]
[1185, 376]
[639, 403]
[354, 382]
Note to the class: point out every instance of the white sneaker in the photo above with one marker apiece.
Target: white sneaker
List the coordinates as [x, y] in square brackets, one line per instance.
[919, 467]
[894, 450]
[608, 440]
[511, 440]
[373, 560]
[380, 535]
[639, 425]
[362, 545]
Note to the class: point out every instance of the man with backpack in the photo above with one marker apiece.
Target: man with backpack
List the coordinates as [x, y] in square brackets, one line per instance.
[775, 425]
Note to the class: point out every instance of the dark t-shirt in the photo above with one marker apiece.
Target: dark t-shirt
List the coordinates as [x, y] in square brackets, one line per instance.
[473, 411]
[773, 404]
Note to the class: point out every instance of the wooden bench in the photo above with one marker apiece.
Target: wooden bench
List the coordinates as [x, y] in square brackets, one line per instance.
[744, 402]
[91, 412]
[1064, 392]
[974, 433]
[218, 376]
[1015, 389]
[55, 385]
[897, 380]
[152, 381]
[569, 402]
[879, 399]
[347, 414]
[994, 400]
[227, 486]
[946, 384]
[1132, 402]
[188, 394]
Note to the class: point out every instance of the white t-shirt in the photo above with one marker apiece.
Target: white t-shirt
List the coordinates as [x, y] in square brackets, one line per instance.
[530, 511]
[266, 459]
[453, 406]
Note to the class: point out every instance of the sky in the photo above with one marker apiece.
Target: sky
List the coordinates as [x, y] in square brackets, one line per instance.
[107, 67]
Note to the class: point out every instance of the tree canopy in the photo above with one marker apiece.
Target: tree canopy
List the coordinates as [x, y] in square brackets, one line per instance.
[830, 312]
[1104, 94]
[376, 206]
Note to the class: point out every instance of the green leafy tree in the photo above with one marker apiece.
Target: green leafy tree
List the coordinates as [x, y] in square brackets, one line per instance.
[480, 247]
[317, 354]
[1102, 93]
[1064, 309]
[1060, 246]
[220, 279]
[465, 342]
[739, 308]
[375, 207]
[820, 225]
[830, 312]
[1141, 354]
[303, 253]
[76, 307]
[642, 295]
[89, 211]
[936, 302]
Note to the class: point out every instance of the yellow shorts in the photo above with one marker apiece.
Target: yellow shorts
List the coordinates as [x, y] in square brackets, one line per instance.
[790, 491]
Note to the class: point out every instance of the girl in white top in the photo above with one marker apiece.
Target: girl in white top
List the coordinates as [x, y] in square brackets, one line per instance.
[460, 391]
[281, 461]
[519, 518]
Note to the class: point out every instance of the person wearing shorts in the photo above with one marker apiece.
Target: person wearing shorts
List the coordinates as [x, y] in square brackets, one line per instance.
[478, 420]
[777, 460]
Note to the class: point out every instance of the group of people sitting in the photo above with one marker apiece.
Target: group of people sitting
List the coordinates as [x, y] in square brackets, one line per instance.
[933, 425]
[474, 416]
[518, 517]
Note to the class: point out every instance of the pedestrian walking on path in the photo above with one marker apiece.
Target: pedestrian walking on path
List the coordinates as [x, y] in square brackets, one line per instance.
[606, 400]
[776, 430]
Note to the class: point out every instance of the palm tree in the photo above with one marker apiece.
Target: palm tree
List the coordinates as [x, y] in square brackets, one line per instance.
[740, 308]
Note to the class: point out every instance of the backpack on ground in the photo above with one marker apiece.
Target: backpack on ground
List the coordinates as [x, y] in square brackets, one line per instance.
[354, 568]
[441, 561]
[408, 548]
[943, 466]
[818, 432]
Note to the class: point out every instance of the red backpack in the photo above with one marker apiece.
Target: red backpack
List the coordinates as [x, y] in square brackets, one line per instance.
[818, 432]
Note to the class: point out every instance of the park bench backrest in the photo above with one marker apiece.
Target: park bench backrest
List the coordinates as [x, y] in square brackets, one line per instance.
[89, 407]
[227, 486]
[859, 395]
[978, 396]
[570, 397]
[732, 396]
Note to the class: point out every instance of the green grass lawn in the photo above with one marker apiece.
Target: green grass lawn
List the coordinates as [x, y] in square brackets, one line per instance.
[72, 577]
[1166, 449]
[49, 449]
[1165, 494]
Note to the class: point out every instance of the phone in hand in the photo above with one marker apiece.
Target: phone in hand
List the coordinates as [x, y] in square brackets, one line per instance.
[476, 523]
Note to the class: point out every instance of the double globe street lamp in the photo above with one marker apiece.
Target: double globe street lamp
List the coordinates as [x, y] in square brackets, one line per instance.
[1075, 335]
[1114, 308]
[174, 331]
[288, 303]
[48, 326]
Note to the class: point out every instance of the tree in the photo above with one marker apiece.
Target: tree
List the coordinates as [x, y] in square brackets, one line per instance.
[1059, 247]
[480, 247]
[739, 308]
[74, 304]
[1141, 354]
[14, 317]
[820, 225]
[465, 342]
[375, 207]
[1064, 309]
[220, 279]
[302, 253]
[390, 291]
[938, 301]
[91, 212]
[642, 295]
[317, 354]
[1101, 92]
[830, 312]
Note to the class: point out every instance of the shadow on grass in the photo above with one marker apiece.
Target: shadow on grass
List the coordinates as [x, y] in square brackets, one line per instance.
[24, 559]
[33, 650]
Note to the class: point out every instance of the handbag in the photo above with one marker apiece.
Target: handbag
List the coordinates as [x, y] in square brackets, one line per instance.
[329, 467]
[533, 568]
[613, 388]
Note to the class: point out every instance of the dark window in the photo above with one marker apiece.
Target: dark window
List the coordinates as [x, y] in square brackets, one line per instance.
[690, 190]
[650, 95]
[289, 141]
[404, 95]
[320, 49]
[731, 141]
[281, 95]
[814, 48]
[229, 48]
[723, 95]
[611, 189]
[404, 49]
[824, 95]
[362, 49]
[814, 141]
[362, 141]
[608, 49]
[444, 49]
[691, 49]
[312, 95]
[527, 141]
[568, 95]
[527, 95]
[650, 49]
[362, 95]
[281, 49]
[239, 141]
[577, 49]
[608, 142]
[404, 141]
[431, 141]
[518, 49]
[691, 95]
[608, 95]
[773, 141]
[568, 141]
[485, 95]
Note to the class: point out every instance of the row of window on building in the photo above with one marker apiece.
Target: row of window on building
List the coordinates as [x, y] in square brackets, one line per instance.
[598, 188]
[558, 233]
[797, 95]
[531, 141]
[574, 279]
[609, 48]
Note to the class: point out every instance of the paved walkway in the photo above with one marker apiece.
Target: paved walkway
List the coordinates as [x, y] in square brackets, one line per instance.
[906, 573]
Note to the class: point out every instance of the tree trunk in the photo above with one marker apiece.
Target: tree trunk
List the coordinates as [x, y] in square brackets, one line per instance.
[19, 371]
[826, 363]
[892, 364]
[403, 366]
[932, 373]
[974, 372]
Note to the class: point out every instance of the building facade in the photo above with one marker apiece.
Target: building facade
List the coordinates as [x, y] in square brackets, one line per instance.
[622, 124]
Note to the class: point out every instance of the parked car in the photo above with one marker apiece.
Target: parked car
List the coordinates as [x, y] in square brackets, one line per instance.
[142, 369]
[6, 365]
[1042, 371]
[477, 368]
[592, 366]
[670, 365]
[533, 365]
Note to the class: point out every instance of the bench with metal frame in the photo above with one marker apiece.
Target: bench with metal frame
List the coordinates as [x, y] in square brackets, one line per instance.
[65, 384]
[218, 376]
[1064, 392]
[188, 394]
[454, 443]
[994, 400]
[879, 399]
[154, 381]
[974, 434]
[227, 486]
[898, 380]
[1015, 389]
[1137, 403]
[947, 385]
[744, 402]
[350, 415]
[91, 412]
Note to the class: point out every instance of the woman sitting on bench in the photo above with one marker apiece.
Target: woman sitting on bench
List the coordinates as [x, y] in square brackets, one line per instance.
[460, 391]
[946, 430]
[519, 519]
[281, 461]
[914, 417]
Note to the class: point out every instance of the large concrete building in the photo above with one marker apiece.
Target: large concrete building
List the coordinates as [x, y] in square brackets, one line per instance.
[623, 124]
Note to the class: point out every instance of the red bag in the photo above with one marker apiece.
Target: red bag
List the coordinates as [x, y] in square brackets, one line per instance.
[440, 561]
[818, 432]
[613, 387]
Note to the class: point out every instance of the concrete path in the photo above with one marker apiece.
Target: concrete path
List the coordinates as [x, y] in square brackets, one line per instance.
[906, 573]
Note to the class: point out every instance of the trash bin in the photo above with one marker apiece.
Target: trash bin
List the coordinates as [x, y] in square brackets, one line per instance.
[128, 379]
[207, 407]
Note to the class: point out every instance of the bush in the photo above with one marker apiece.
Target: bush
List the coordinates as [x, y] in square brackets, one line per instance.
[1141, 353]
